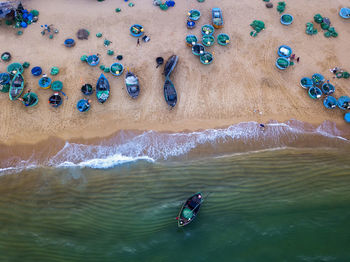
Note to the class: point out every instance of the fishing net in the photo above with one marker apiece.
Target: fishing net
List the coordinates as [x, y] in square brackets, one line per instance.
[83, 58]
[318, 18]
[110, 52]
[163, 7]
[26, 64]
[281, 6]
[106, 70]
[310, 30]
[99, 35]
[131, 80]
[83, 34]
[258, 25]
[324, 26]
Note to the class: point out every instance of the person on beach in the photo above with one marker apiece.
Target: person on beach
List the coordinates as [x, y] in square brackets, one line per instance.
[138, 42]
[298, 59]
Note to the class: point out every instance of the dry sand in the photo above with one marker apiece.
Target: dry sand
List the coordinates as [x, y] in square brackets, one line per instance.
[241, 82]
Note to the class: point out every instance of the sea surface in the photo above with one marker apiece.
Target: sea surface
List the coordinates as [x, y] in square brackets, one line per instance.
[279, 194]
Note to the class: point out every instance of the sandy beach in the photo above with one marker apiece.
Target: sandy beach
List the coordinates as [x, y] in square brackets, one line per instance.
[242, 84]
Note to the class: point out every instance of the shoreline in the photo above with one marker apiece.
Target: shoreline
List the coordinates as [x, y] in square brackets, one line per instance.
[240, 82]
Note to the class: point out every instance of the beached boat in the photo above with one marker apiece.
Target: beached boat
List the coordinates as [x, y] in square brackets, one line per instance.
[83, 105]
[208, 40]
[102, 89]
[347, 117]
[30, 99]
[189, 210]
[191, 40]
[194, 15]
[344, 103]
[15, 68]
[306, 82]
[217, 19]
[132, 85]
[344, 13]
[318, 79]
[45, 82]
[4, 79]
[93, 60]
[328, 89]
[55, 100]
[330, 102]
[117, 69]
[136, 30]
[17, 86]
[6, 56]
[87, 89]
[170, 65]
[282, 63]
[207, 30]
[36, 71]
[198, 49]
[57, 85]
[206, 58]
[315, 92]
[284, 51]
[287, 19]
[170, 94]
[223, 39]
[191, 24]
[69, 42]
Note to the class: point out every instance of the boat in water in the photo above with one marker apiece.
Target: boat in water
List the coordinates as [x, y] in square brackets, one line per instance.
[17, 86]
[189, 210]
[102, 89]
[132, 85]
[170, 65]
[170, 94]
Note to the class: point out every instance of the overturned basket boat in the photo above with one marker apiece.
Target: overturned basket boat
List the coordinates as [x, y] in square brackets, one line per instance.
[93, 60]
[207, 30]
[315, 92]
[328, 89]
[117, 69]
[136, 30]
[282, 63]
[208, 40]
[306, 82]
[30, 99]
[55, 100]
[198, 49]
[194, 15]
[83, 105]
[284, 51]
[330, 102]
[223, 39]
[191, 40]
[45, 82]
[170, 94]
[206, 58]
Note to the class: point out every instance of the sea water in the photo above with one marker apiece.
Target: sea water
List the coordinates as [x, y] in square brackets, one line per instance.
[279, 194]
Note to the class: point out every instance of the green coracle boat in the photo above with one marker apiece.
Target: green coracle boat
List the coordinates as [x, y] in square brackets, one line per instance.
[30, 99]
[17, 86]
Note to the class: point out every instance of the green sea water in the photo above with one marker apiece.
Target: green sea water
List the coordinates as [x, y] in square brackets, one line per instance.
[281, 205]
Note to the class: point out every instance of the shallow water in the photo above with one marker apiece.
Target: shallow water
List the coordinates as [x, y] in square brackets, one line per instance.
[272, 205]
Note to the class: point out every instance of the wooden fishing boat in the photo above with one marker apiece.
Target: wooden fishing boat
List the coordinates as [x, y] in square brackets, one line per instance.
[17, 86]
[217, 19]
[132, 85]
[189, 210]
[170, 65]
[170, 94]
[102, 89]
[30, 99]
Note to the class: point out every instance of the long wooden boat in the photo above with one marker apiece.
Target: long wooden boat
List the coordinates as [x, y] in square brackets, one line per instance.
[170, 94]
[17, 86]
[102, 89]
[170, 65]
[132, 85]
[189, 210]
[217, 19]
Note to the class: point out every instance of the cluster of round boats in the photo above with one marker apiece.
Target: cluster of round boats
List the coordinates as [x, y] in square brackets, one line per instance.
[283, 61]
[318, 87]
[207, 32]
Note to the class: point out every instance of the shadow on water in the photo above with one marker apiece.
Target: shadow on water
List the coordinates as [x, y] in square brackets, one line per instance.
[283, 205]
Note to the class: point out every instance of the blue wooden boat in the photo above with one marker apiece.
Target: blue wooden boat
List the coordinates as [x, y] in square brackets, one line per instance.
[347, 117]
[102, 89]
[93, 60]
[17, 86]
[170, 94]
[287, 19]
[69, 42]
[136, 30]
[189, 210]
[318, 79]
[132, 85]
[83, 105]
[36, 71]
[284, 51]
[330, 102]
[344, 13]
[217, 19]
[344, 103]
[306, 82]
[328, 89]
[315, 92]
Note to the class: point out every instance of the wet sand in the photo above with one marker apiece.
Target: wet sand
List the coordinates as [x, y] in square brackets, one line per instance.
[242, 84]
